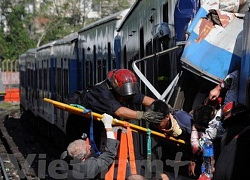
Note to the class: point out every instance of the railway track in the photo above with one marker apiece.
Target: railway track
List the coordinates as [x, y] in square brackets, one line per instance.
[22, 150]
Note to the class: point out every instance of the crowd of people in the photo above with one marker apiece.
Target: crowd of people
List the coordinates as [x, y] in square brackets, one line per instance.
[220, 119]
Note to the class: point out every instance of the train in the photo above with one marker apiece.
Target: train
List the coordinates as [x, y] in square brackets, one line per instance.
[161, 41]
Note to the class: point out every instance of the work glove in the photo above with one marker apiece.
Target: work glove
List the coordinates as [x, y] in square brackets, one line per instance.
[150, 116]
[107, 120]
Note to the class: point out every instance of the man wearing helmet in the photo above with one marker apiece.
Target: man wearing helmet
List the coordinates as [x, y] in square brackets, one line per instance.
[118, 92]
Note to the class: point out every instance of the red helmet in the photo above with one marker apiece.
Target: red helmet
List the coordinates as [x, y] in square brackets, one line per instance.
[123, 81]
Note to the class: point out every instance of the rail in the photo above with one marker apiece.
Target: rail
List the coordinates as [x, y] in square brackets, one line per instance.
[3, 170]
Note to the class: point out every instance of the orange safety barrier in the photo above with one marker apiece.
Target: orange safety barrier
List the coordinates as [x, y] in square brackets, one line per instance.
[110, 174]
[125, 155]
[12, 95]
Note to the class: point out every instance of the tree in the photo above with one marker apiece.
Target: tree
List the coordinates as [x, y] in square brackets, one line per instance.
[18, 39]
[3, 45]
[27, 23]
[64, 17]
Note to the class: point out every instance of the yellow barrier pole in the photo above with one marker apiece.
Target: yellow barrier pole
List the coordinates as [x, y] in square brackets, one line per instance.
[97, 116]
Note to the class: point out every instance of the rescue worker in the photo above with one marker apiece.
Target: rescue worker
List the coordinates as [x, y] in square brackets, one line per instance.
[113, 96]
[116, 93]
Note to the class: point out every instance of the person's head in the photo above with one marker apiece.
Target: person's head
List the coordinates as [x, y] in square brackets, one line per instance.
[160, 106]
[202, 115]
[124, 82]
[235, 113]
[161, 176]
[136, 177]
[79, 149]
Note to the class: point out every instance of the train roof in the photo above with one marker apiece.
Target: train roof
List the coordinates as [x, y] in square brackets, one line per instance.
[31, 51]
[128, 14]
[117, 16]
[22, 56]
[50, 44]
[67, 39]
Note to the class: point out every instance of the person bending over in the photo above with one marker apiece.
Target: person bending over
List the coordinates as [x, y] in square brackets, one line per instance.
[115, 95]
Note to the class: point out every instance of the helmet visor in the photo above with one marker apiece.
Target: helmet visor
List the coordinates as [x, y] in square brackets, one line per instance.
[128, 89]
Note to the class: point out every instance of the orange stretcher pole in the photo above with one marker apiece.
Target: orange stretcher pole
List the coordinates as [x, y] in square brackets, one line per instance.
[97, 116]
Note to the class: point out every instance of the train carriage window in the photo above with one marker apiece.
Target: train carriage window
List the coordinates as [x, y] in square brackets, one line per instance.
[109, 57]
[95, 63]
[113, 63]
[31, 79]
[55, 76]
[124, 56]
[82, 76]
[149, 48]
[99, 70]
[89, 73]
[45, 78]
[29, 75]
[165, 12]
[104, 69]
[61, 79]
[58, 80]
[40, 78]
[66, 84]
[141, 43]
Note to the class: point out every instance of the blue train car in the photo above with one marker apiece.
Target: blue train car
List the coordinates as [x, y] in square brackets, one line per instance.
[96, 49]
